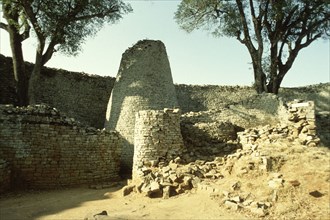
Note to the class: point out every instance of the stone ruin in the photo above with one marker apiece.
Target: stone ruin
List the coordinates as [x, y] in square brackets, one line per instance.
[41, 148]
[157, 139]
[144, 82]
[175, 176]
[146, 135]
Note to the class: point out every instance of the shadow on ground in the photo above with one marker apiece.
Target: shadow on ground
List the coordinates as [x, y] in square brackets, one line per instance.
[54, 204]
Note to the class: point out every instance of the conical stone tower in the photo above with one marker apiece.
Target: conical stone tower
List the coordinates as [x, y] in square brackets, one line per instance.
[144, 82]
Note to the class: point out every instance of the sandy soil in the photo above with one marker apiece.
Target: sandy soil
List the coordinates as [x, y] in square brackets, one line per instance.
[82, 202]
[308, 166]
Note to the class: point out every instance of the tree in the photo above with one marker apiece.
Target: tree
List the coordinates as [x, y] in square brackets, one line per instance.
[274, 32]
[59, 25]
[19, 29]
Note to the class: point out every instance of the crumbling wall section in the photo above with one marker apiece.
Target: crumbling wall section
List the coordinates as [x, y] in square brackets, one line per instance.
[157, 138]
[297, 124]
[40, 148]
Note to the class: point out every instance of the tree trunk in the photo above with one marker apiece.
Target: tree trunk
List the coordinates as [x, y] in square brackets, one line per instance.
[259, 75]
[19, 68]
[12, 17]
[274, 85]
[35, 76]
[274, 82]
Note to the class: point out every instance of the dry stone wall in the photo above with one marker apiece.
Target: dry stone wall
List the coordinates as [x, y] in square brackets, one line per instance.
[85, 97]
[157, 139]
[297, 125]
[79, 95]
[41, 148]
[144, 82]
[211, 97]
[197, 98]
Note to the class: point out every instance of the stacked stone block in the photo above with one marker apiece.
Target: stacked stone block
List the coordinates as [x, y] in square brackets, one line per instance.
[297, 124]
[4, 175]
[301, 116]
[157, 139]
[144, 82]
[44, 149]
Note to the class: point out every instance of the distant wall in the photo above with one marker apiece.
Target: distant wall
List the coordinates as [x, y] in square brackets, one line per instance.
[86, 97]
[7, 83]
[40, 148]
[206, 97]
[81, 96]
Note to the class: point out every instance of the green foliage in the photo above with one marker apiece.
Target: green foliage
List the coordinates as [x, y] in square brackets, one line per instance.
[218, 17]
[69, 23]
[222, 17]
[63, 24]
[273, 31]
[14, 14]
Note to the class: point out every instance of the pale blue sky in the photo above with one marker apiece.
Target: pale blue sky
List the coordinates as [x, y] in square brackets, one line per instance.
[196, 58]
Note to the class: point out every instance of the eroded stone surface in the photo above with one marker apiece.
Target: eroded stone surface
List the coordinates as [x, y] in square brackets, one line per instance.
[144, 82]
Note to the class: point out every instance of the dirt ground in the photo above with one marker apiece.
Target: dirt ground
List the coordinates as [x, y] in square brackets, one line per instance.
[82, 202]
[310, 167]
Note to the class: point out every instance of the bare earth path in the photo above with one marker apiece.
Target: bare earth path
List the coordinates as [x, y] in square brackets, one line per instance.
[81, 202]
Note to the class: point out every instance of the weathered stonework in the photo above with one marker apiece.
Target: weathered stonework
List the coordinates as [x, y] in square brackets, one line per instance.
[143, 82]
[157, 138]
[297, 125]
[79, 95]
[40, 148]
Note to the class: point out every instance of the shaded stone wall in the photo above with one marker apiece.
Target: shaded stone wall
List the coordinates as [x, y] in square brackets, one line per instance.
[144, 82]
[85, 97]
[81, 96]
[40, 148]
[297, 124]
[207, 97]
[157, 138]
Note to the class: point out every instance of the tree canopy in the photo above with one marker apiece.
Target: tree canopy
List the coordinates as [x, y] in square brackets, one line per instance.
[273, 31]
[58, 25]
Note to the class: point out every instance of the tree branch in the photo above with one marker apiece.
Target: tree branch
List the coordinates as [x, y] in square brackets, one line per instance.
[247, 37]
[49, 52]
[238, 37]
[32, 17]
[4, 26]
[26, 34]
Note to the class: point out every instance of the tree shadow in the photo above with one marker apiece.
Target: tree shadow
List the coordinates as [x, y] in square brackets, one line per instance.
[323, 127]
[38, 204]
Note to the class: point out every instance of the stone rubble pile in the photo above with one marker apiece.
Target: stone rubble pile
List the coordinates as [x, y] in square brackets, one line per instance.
[174, 178]
[298, 125]
[203, 140]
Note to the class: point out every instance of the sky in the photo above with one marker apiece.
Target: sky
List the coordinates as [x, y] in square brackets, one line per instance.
[195, 58]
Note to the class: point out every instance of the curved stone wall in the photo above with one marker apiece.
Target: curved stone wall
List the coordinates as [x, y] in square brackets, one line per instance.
[41, 148]
[157, 138]
[144, 82]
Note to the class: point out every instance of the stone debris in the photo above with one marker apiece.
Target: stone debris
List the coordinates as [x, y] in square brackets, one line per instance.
[276, 183]
[316, 194]
[294, 183]
[98, 216]
[237, 202]
[298, 124]
[127, 190]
